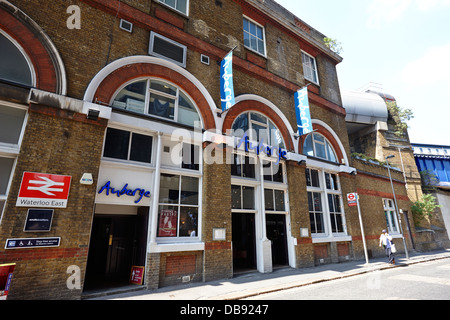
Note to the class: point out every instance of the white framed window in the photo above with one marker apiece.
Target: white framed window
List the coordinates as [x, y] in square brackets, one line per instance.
[316, 145]
[391, 216]
[158, 98]
[325, 203]
[13, 119]
[254, 38]
[178, 212]
[168, 49]
[128, 146]
[179, 5]
[259, 128]
[310, 68]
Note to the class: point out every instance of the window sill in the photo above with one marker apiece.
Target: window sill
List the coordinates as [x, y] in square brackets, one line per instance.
[176, 247]
[332, 238]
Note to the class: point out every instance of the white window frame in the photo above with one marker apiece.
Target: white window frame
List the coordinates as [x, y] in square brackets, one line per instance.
[313, 70]
[128, 161]
[325, 144]
[389, 207]
[148, 91]
[177, 239]
[255, 36]
[11, 151]
[328, 235]
[175, 9]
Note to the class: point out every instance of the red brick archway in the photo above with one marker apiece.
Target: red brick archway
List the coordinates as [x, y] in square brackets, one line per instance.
[28, 38]
[109, 86]
[252, 105]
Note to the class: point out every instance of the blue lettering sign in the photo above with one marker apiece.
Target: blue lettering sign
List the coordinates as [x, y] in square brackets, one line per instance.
[260, 147]
[125, 191]
[302, 111]
[226, 82]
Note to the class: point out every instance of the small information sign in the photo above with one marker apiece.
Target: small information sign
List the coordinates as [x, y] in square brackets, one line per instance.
[26, 243]
[137, 275]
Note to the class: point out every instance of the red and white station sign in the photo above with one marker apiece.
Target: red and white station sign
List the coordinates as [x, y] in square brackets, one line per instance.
[352, 199]
[43, 190]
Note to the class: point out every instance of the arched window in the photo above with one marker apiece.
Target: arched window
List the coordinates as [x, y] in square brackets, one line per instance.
[316, 145]
[258, 128]
[158, 98]
[14, 65]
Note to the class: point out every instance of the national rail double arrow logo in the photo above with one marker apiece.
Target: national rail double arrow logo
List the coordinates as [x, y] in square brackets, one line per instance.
[43, 190]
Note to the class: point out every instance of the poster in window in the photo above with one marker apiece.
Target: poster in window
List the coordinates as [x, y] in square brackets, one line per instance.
[167, 223]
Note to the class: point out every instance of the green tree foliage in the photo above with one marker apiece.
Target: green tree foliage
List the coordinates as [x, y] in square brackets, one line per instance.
[333, 45]
[400, 116]
[424, 208]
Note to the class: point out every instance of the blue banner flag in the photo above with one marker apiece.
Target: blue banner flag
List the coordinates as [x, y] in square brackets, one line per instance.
[302, 111]
[226, 82]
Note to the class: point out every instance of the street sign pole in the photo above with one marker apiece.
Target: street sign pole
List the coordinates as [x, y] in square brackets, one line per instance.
[362, 230]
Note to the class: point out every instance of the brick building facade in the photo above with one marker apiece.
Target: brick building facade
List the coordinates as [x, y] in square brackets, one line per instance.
[173, 189]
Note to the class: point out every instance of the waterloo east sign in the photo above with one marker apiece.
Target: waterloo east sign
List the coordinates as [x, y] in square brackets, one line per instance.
[43, 190]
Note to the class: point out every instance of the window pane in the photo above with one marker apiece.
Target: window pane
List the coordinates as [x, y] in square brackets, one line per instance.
[308, 146]
[236, 197]
[317, 202]
[189, 190]
[258, 117]
[276, 140]
[248, 197]
[259, 133]
[116, 144]
[169, 188]
[331, 155]
[315, 179]
[141, 148]
[187, 114]
[320, 150]
[190, 158]
[310, 202]
[6, 165]
[331, 202]
[13, 65]
[277, 172]
[261, 47]
[162, 106]
[182, 6]
[240, 125]
[236, 166]
[132, 97]
[267, 170]
[188, 222]
[163, 87]
[246, 39]
[11, 123]
[331, 181]
[269, 204]
[248, 167]
[167, 221]
[279, 200]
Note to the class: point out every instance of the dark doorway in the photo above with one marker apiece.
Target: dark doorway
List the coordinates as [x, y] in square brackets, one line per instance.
[276, 232]
[244, 242]
[117, 243]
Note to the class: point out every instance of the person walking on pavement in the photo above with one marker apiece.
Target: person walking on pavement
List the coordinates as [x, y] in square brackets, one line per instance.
[386, 241]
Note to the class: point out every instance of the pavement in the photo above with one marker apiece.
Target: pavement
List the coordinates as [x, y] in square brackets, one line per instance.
[252, 284]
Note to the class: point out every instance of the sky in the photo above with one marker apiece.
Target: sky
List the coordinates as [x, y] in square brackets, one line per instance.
[404, 45]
